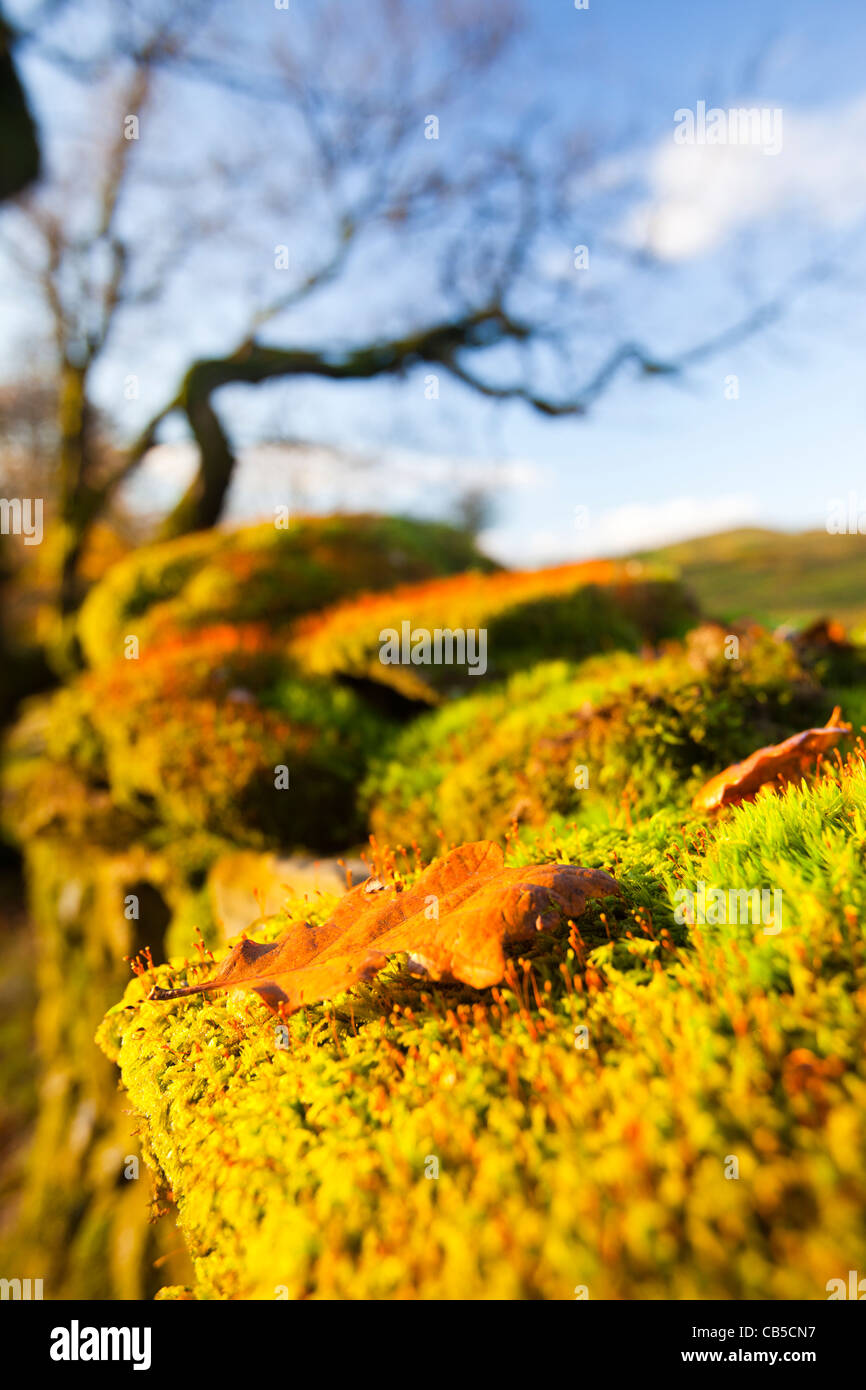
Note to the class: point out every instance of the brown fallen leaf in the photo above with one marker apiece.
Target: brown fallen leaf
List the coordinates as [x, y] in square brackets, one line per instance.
[779, 763]
[455, 921]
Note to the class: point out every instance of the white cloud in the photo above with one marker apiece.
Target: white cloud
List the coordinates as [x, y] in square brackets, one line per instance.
[160, 479]
[322, 478]
[699, 194]
[316, 478]
[621, 530]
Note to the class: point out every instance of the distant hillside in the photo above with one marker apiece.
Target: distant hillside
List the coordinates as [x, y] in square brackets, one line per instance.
[774, 576]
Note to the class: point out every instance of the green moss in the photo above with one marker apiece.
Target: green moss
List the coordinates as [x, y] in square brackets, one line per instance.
[594, 618]
[190, 738]
[262, 573]
[304, 1170]
[599, 741]
[81, 1225]
[298, 1165]
[564, 612]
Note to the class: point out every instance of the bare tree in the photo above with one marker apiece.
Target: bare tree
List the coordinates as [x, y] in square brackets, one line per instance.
[95, 268]
[361, 217]
[86, 265]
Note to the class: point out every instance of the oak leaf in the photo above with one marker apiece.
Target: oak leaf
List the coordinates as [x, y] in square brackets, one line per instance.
[456, 922]
[778, 763]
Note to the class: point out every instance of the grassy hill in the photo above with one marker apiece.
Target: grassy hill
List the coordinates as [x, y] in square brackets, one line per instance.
[774, 576]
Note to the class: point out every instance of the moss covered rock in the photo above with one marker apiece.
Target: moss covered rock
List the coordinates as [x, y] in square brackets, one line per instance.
[82, 1219]
[124, 790]
[261, 573]
[216, 733]
[574, 1131]
[605, 739]
[526, 617]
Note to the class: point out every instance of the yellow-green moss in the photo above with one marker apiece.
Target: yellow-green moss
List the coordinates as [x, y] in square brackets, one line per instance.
[190, 737]
[567, 611]
[603, 740]
[302, 1171]
[81, 1225]
[263, 573]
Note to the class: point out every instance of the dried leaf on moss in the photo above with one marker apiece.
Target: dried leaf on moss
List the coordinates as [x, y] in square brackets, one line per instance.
[456, 922]
[778, 764]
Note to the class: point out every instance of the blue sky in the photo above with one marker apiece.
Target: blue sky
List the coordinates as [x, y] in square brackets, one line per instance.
[654, 460]
[795, 437]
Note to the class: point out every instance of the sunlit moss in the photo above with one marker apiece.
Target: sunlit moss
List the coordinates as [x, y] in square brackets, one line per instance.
[305, 1170]
[263, 572]
[567, 611]
[191, 736]
[707, 1141]
[601, 741]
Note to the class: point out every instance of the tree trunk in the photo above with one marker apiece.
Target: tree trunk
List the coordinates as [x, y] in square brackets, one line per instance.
[79, 502]
[253, 363]
[202, 503]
